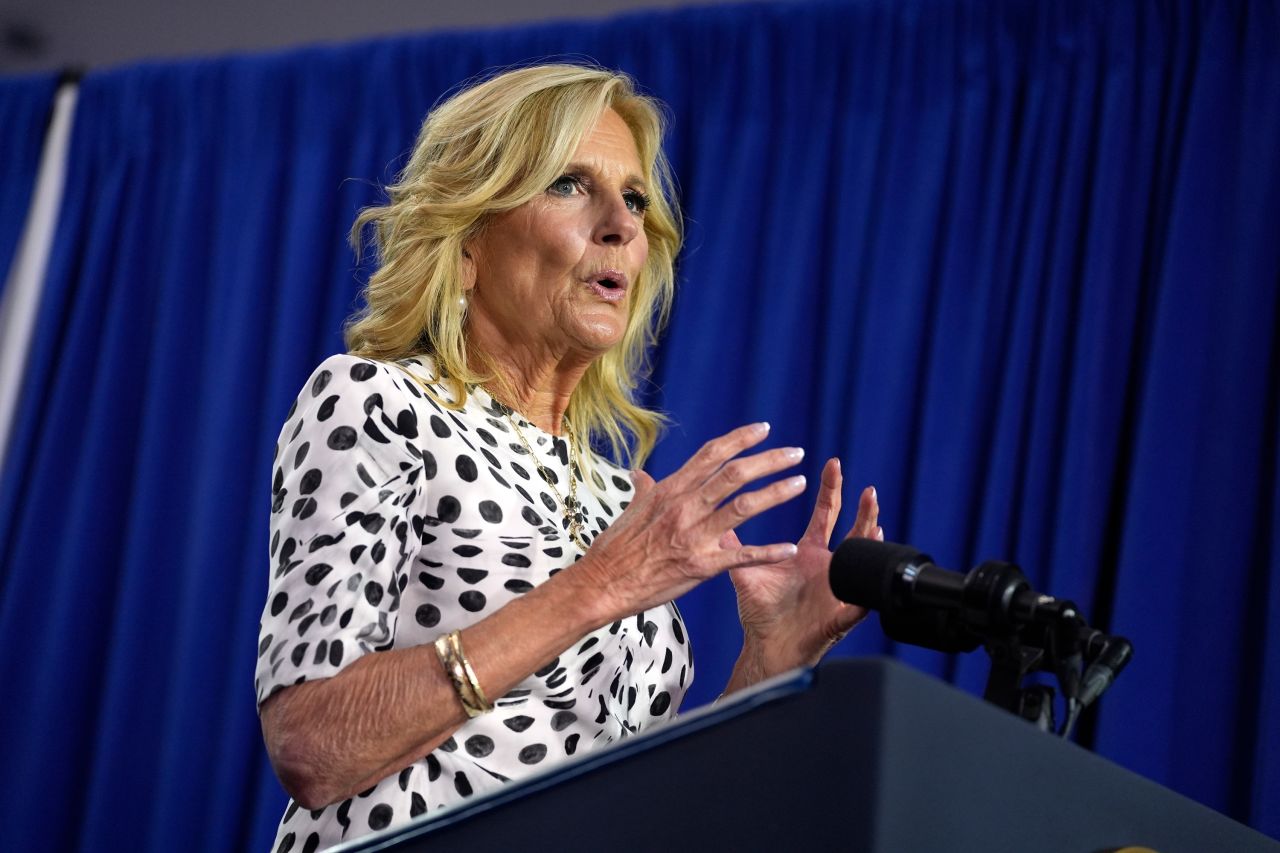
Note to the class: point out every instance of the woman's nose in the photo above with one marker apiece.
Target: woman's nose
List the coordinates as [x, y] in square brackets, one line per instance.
[618, 225]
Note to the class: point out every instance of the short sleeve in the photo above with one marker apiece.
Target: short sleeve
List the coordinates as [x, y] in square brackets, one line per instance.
[347, 490]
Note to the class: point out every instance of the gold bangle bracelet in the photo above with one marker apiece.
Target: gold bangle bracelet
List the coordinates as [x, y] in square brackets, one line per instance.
[455, 640]
[457, 676]
[458, 669]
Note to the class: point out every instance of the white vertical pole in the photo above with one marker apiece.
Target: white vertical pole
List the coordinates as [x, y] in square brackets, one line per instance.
[26, 277]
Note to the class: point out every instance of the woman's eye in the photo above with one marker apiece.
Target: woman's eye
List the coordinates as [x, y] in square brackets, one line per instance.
[565, 185]
[637, 202]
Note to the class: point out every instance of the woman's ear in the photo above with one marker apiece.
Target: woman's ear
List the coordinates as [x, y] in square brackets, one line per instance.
[468, 267]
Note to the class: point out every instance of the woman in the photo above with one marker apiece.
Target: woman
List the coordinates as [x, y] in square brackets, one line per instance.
[437, 499]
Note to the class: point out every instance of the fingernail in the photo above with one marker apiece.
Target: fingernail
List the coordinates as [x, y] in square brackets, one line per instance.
[796, 482]
[794, 453]
[874, 496]
[790, 549]
[762, 427]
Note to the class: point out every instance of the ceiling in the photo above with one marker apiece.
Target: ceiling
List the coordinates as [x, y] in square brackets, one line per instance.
[38, 35]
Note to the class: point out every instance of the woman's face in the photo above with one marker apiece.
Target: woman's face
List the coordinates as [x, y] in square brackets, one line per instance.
[555, 275]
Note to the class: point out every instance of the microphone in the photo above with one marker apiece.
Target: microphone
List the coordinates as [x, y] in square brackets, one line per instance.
[994, 605]
[1116, 652]
[926, 605]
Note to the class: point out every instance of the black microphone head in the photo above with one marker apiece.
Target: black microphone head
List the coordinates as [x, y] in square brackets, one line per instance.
[862, 570]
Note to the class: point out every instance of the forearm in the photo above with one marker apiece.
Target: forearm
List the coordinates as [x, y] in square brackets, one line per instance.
[762, 658]
[329, 739]
[755, 663]
[748, 670]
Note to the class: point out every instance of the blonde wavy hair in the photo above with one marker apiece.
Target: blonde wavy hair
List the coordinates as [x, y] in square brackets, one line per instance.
[487, 149]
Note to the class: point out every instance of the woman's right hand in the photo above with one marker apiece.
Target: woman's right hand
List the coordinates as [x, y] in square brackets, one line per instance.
[667, 541]
[330, 738]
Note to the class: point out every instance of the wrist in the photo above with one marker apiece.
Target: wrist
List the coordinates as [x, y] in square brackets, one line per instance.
[756, 662]
[778, 652]
[582, 599]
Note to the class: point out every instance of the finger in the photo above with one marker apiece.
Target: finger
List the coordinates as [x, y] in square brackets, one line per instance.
[642, 482]
[848, 616]
[730, 541]
[827, 508]
[864, 526]
[715, 453]
[740, 472]
[752, 555]
[750, 504]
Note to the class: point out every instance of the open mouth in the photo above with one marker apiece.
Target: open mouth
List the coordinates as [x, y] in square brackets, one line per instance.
[609, 285]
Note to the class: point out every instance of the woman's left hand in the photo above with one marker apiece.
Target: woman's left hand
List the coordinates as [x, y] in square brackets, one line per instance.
[789, 616]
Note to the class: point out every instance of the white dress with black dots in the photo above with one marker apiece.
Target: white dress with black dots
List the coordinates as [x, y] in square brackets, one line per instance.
[394, 520]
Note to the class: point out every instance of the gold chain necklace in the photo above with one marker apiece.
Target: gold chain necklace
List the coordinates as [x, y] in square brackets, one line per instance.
[572, 508]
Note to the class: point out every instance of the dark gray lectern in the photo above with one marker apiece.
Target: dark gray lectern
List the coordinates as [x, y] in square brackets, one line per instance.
[863, 755]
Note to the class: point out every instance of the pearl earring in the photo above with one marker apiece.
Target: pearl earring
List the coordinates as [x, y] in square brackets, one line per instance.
[462, 302]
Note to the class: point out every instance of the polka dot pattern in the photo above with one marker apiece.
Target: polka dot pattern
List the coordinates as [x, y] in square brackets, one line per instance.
[385, 501]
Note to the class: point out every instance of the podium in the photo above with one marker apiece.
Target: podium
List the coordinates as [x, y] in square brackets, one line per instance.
[857, 755]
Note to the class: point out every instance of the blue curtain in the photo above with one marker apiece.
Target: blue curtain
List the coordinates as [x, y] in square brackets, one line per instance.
[26, 104]
[1014, 262]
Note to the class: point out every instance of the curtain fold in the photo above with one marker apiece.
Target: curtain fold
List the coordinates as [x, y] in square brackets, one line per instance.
[1015, 263]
